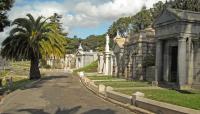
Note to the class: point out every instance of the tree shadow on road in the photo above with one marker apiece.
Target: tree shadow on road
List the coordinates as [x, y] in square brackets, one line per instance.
[44, 79]
[73, 110]
[100, 111]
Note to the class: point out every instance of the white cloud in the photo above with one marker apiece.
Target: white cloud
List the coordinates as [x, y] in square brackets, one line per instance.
[79, 13]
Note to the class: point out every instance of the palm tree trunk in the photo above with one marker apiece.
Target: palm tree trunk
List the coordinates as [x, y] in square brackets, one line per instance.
[34, 69]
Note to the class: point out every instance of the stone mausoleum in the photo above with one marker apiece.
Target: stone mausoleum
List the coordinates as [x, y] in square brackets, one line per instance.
[138, 48]
[84, 58]
[131, 52]
[178, 48]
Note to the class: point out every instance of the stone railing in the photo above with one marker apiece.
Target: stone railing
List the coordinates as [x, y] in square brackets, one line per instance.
[136, 102]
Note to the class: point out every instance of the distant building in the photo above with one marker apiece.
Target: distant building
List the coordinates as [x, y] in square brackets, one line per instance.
[84, 58]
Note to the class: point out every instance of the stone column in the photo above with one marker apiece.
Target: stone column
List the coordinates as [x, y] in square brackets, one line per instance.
[182, 64]
[116, 67]
[159, 61]
[82, 61]
[106, 72]
[190, 61]
[107, 54]
[166, 61]
[111, 64]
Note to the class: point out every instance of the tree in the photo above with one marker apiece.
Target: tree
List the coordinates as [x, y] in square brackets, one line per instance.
[5, 5]
[56, 18]
[94, 42]
[192, 5]
[120, 25]
[157, 9]
[137, 22]
[72, 45]
[142, 19]
[33, 39]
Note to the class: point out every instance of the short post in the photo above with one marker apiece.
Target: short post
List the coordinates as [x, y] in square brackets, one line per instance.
[81, 74]
[135, 96]
[108, 88]
[9, 82]
[102, 89]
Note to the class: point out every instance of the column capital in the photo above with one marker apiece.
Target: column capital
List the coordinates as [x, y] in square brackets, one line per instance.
[182, 39]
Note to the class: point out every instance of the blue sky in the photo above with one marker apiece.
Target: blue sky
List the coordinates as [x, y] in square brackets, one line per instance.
[80, 17]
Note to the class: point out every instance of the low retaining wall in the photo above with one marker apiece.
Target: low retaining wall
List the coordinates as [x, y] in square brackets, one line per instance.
[138, 100]
[163, 108]
[119, 97]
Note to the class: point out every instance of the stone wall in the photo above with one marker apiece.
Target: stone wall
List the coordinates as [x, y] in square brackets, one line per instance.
[139, 46]
[150, 73]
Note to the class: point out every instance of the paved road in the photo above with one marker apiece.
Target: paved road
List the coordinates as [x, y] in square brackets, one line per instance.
[58, 93]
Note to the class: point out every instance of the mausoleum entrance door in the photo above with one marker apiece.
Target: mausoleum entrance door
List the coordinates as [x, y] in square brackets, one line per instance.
[174, 64]
[79, 62]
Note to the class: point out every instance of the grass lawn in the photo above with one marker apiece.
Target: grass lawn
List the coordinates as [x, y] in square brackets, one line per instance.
[89, 68]
[18, 82]
[185, 99]
[19, 73]
[20, 68]
[21, 64]
[123, 84]
[190, 100]
[102, 77]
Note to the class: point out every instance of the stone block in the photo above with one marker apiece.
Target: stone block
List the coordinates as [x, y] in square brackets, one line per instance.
[81, 74]
[135, 96]
[102, 88]
[108, 88]
[123, 98]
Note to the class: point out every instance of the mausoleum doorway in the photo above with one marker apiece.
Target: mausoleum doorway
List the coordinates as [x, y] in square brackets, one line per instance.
[174, 62]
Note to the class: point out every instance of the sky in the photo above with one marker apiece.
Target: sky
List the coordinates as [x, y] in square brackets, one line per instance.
[80, 17]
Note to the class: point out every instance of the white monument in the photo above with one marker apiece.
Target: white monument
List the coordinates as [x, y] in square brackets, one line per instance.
[108, 62]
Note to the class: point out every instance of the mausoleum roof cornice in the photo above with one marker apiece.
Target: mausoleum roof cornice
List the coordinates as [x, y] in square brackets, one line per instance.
[176, 15]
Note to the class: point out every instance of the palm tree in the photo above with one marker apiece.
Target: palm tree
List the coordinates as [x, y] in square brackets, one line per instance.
[33, 40]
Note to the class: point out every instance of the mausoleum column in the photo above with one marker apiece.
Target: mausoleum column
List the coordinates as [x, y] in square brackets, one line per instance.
[159, 60]
[182, 63]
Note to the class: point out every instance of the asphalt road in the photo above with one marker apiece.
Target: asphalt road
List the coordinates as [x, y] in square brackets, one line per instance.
[57, 93]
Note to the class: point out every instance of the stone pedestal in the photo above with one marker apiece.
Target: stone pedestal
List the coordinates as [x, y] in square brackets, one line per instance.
[106, 64]
[100, 63]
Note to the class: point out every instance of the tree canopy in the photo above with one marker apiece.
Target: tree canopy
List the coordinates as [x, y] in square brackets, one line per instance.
[145, 17]
[92, 42]
[5, 6]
